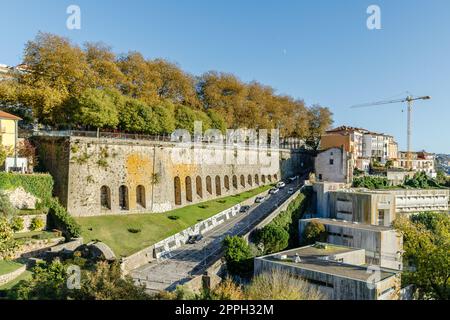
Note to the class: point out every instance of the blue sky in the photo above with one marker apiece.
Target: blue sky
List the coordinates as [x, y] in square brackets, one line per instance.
[317, 50]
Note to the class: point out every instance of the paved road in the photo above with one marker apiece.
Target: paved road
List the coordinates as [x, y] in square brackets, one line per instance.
[192, 259]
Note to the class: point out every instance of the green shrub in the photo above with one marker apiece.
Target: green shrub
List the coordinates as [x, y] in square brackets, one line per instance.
[6, 208]
[39, 185]
[134, 230]
[371, 182]
[203, 206]
[17, 224]
[274, 238]
[238, 256]
[36, 224]
[314, 231]
[58, 218]
[173, 217]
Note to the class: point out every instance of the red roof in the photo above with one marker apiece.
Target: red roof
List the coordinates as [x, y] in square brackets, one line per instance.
[6, 115]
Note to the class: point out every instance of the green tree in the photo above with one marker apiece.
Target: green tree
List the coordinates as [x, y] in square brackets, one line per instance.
[314, 231]
[95, 108]
[426, 244]
[185, 118]
[274, 238]
[238, 256]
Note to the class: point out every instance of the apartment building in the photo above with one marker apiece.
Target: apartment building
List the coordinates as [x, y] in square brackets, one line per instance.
[363, 144]
[420, 162]
[334, 164]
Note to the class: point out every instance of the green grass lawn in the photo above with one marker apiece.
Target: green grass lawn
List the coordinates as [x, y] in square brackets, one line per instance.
[113, 229]
[35, 235]
[8, 266]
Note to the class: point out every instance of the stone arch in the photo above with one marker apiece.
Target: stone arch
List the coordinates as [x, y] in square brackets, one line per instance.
[177, 190]
[188, 183]
[208, 185]
[250, 180]
[140, 196]
[218, 186]
[269, 177]
[226, 181]
[105, 198]
[235, 182]
[275, 176]
[242, 181]
[124, 203]
[256, 179]
[263, 179]
[198, 186]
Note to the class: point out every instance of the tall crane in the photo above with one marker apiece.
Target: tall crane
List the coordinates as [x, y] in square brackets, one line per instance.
[409, 100]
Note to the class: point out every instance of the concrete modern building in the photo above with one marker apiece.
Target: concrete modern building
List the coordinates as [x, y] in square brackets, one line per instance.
[334, 164]
[376, 207]
[339, 272]
[383, 245]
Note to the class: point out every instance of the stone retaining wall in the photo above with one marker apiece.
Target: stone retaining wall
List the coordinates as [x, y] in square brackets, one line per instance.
[36, 247]
[5, 278]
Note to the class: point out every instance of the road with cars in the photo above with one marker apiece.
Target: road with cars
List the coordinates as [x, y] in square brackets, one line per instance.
[192, 259]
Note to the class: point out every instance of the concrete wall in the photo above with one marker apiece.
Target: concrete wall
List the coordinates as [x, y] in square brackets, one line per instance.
[419, 200]
[382, 247]
[81, 166]
[363, 207]
[340, 288]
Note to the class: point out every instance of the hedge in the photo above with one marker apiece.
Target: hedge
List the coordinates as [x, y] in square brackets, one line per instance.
[59, 219]
[39, 185]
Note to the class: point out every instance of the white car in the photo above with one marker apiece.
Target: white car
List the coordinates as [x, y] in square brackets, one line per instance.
[274, 190]
[281, 185]
[260, 199]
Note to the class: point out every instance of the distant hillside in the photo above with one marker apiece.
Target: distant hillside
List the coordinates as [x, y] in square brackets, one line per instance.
[443, 162]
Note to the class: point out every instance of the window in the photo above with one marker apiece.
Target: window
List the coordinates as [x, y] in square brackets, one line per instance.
[105, 198]
[188, 183]
[123, 198]
[218, 186]
[177, 190]
[208, 185]
[331, 161]
[227, 183]
[320, 177]
[198, 186]
[140, 196]
[235, 183]
[243, 181]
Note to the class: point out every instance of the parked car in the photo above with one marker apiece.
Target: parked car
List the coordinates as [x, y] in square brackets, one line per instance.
[274, 190]
[194, 239]
[244, 209]
[260, 199]
[291, 191]
[281, 185]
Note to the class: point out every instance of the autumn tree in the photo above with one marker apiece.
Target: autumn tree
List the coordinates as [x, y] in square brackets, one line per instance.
[319, 120]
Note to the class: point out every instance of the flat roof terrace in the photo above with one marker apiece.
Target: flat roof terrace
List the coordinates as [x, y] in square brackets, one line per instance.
[313, 258]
